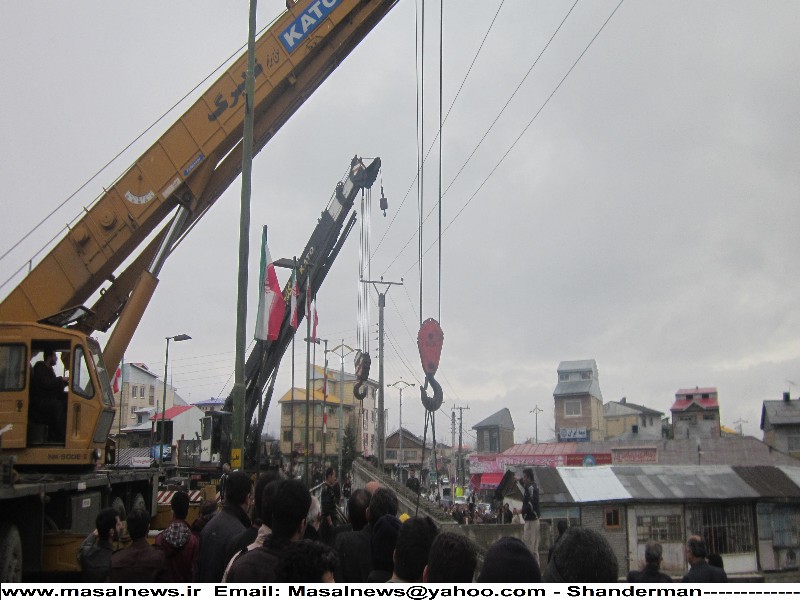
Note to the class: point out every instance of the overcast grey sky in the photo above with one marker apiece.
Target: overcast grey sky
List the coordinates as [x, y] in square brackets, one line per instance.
[646, 216]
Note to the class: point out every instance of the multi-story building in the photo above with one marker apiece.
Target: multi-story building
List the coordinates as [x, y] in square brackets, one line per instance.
[210, 405]
[780, 422]
[625, 420]
[141, 389]
[331, 394]
[496, 432]
[695, 413]
[578, 402]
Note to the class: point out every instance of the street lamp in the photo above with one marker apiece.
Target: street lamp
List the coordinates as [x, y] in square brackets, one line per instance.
[536, 412]
[340, 349]
[401, 385]
[181, 337]
[317, 341]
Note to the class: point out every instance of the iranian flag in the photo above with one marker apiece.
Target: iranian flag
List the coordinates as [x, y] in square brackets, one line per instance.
[271, 306]
[295, 295]
[117, 379]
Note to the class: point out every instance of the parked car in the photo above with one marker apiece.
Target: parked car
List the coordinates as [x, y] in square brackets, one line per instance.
[445, 480]
[460, 500]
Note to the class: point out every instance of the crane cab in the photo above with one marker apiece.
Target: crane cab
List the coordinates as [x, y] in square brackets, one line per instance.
[56, 395]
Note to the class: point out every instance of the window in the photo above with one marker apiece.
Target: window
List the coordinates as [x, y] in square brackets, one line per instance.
[134, 409]
[81, 380]
[141, 391]
[612, 518]
[572, 408]
[706, 396]
[152, 395]
[287, 436]
[12, 367]
[391, 454]
[586, 375]
[708, 418]
[793, 442]
[659, 528]
[134, 391]
[726, 529]
[563, 376]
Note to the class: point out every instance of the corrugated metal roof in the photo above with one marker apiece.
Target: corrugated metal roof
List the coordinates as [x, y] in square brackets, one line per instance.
[551, 486]
[578, 365]
[593, 484]
[792, 473]
[769, 482]
[690, 482]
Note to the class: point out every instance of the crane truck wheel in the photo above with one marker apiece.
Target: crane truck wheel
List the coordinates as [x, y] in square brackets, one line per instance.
[119, 505]
[10, 554]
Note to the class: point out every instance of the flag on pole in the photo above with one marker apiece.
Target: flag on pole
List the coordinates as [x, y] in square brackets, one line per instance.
[271, 307]
[117, 379]
[295, 294]
[315, 321]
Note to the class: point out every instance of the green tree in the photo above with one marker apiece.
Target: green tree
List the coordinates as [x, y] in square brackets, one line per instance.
[349, 450]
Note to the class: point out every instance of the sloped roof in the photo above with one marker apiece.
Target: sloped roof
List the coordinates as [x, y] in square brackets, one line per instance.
[769, 481]
[780, 412]
[502, 418]
[172, 412]
[682, 482]
[683, 402]
[578, 365]
[210, 402]
[618, 408]
[577, 388]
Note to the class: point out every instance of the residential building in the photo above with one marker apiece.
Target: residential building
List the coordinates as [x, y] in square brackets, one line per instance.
[578, 402]
[141, 389]
[695, 413]
[210, 405]
[496, 432]
[331, 394]
[625, 420]
[780, 422]
[412, 454]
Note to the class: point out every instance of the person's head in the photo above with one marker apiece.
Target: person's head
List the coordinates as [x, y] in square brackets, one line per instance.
[413, 547]
[138, 524]
[581, 556]
[383, 502]
[268, 500]
[258, 492]
[49, 357]
[108, 524]
[314, 513]
[290, 509]
[715, 560]
[226, 468]
[372, 486]
[330, 476]
[695, 549]
[357, 505]
[238, 489]
[452, 559]
[383, 542]
[180, 505]
[653, 552]
[561, 526]
[527, 475]
[508, 559]
[306, 561]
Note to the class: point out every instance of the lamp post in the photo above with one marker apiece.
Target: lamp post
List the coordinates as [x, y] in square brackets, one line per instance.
[181, 337]
[340, 349]
[401, 385]
[318, 341]
[536, 412]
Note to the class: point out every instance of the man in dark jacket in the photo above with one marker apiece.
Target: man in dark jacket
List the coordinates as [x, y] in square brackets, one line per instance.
[139, 562]
[94, 555]
[329, 500]
[530, 512]
[353, 547]
[229, 522]
[699, 569]
[289, 511]
[180, 546]
[651, 573]
[48, 399]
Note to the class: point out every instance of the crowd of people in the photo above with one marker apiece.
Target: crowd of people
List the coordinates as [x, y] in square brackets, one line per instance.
[274, 531]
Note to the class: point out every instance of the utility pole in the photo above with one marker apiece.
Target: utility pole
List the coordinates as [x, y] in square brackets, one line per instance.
[381, 416]
[238, 427]
[460, 467]
[739, 423]
[341, 350]
[536, 412]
